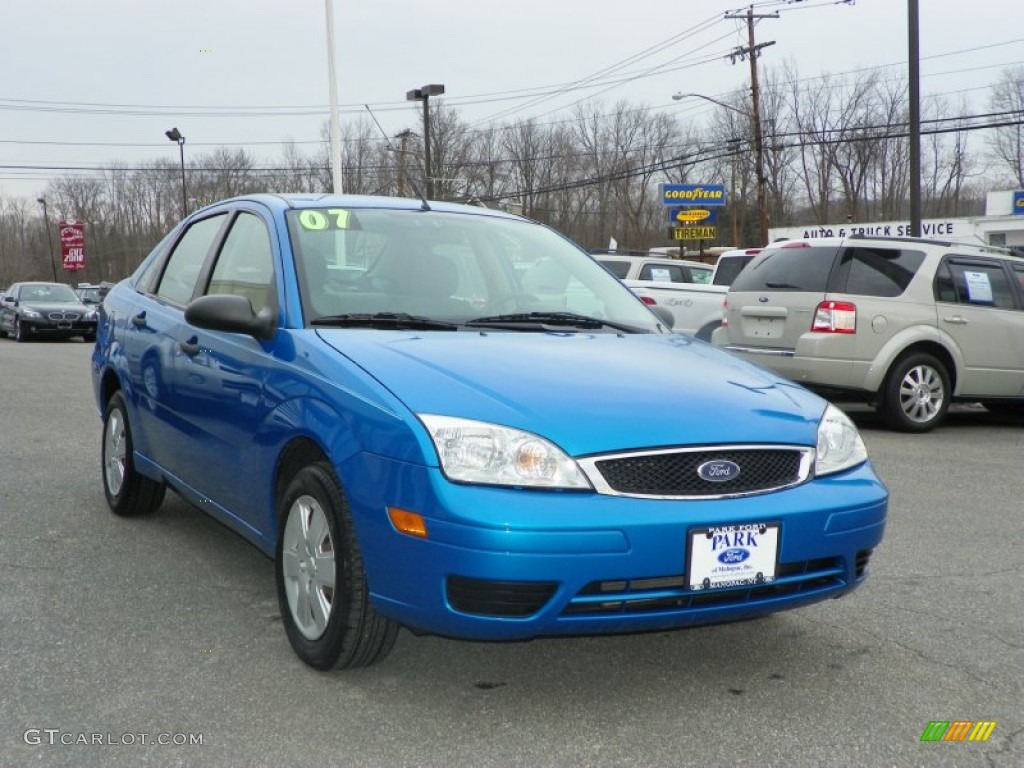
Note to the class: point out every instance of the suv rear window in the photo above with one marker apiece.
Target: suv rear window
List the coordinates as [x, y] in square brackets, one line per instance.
[729, 267]
[788, 269]
[877, 271]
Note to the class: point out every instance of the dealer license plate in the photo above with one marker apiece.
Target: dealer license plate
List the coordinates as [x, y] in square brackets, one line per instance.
[732, 555]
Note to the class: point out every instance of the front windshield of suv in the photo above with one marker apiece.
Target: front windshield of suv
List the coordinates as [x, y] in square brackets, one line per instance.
[451, 267]
[50, 293]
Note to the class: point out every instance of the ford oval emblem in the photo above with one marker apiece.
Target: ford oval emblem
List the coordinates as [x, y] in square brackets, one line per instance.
[763, 299]
[733, 556]
[719, 470]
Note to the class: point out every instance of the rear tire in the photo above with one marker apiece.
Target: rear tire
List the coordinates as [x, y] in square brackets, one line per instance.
[128, 493]
[321, 580]
[916, 393]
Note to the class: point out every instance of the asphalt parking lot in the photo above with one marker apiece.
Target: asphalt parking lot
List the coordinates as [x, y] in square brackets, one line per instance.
[124, 633]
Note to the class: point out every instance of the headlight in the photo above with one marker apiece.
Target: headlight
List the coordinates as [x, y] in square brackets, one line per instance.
[90, 315]
[30, 312]
[478, 452]
[839, 443]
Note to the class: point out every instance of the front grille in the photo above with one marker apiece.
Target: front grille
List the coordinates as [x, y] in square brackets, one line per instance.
[498, 598]
[63, 315]
[674, 472]
[669, 593]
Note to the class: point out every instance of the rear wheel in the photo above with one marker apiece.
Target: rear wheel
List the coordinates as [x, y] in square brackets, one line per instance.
[916, 393]
[128, 493]
[321, 581]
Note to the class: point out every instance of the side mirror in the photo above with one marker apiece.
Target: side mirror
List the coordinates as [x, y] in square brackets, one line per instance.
[10, 300]
[232, 313]
[665, 315]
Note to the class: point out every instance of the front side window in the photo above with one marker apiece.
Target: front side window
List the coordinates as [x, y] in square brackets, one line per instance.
[788, 269]
[178, 282]
[663, 273]
[245, 266]
[975, 283]
[877, 271]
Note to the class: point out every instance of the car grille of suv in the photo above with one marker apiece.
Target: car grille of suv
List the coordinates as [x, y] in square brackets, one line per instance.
[63, 315]
[673, 473]
[669, 593]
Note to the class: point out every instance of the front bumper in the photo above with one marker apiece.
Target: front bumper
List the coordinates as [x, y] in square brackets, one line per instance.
[44, 326]
[502, 564]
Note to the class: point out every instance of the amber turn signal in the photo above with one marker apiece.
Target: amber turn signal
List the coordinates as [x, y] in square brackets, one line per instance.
[408, 522]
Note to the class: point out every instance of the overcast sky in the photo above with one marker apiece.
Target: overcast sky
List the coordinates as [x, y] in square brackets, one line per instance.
[122, 72]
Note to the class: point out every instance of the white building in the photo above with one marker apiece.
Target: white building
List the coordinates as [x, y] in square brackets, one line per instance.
[1002, 225]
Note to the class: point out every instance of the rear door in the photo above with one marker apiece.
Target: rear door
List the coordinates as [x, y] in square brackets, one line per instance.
[772, 301]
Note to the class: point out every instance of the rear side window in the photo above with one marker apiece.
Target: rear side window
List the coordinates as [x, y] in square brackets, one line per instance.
[877, 271]
[182, 271]
[788, 269]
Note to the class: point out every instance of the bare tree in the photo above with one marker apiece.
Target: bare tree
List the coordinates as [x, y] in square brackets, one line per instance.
[1007, 141]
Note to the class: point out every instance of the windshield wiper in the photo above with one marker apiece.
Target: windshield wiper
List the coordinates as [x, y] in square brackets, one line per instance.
[385, 320]
[520, 319]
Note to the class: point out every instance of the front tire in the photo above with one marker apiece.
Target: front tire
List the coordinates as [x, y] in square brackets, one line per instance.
[128, 493]
[20, 333]
[321, 580]
[916, 393]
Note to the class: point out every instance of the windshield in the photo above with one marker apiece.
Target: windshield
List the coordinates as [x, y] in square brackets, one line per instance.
[45, 292]
[451, 267]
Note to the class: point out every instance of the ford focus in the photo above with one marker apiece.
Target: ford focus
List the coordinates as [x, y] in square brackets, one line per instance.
[452, 419]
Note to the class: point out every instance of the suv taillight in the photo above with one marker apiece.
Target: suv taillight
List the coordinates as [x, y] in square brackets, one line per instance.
[725, 312]
[835, 317]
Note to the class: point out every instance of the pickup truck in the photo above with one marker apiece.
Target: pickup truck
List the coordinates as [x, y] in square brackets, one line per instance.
[696, 307]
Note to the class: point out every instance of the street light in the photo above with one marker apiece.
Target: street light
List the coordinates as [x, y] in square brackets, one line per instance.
[49, 237]
[755, 119]
[175, 135]
[423, 94]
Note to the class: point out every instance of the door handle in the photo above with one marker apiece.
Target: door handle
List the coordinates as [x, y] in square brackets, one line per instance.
[190, 347]
[955, 320]
[139, 320]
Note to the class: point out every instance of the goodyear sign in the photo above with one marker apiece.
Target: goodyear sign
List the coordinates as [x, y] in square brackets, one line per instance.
[693, 194]
[682, 217]
[694, 233]
[1018, 202]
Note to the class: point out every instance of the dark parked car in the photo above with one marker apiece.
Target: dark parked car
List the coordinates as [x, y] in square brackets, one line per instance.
[453, 419]
[30, 310]
[91, 293]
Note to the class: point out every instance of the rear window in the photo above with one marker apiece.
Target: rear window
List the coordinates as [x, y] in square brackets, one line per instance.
[729, 268]
[877, 271]
[788, 269]
[664, 273]
[618, 268]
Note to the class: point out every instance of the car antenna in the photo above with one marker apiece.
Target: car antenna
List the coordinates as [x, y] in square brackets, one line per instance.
[391, 147]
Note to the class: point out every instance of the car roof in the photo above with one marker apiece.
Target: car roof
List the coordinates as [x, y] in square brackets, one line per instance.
[298, 201]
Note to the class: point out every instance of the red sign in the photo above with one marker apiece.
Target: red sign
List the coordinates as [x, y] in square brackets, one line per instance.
[72, 244]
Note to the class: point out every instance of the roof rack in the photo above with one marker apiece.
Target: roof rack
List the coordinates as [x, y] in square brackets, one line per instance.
[902, 239]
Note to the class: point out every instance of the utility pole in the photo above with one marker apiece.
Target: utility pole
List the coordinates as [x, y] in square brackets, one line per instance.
[751, 52]
[404, 138]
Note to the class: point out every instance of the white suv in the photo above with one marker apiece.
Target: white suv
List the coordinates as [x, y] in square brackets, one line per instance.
[907, 324]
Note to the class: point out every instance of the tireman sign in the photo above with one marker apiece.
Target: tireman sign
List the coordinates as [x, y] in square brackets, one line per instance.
[72, 244]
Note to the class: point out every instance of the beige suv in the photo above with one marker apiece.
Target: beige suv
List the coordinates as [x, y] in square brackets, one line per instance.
[907, 324]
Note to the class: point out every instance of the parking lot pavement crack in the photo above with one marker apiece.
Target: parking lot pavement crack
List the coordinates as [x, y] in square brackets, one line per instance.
[1000, 756]
[972, 575]
[880, 638]
[974, 631]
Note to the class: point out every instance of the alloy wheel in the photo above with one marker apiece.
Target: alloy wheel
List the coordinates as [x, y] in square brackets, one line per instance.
[309, 567]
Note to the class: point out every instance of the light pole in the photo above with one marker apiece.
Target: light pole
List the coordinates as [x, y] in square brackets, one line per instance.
[423, 94]
[755, 119]
[175, 135]
[49, 237]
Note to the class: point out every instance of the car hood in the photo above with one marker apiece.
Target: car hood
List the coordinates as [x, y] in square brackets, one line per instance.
[589, 393]
[46, 307]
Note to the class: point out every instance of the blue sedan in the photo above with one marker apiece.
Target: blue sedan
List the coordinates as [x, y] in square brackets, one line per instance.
[453, 419]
